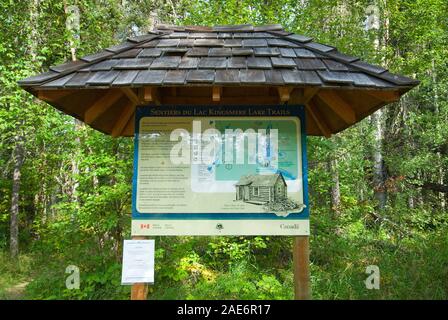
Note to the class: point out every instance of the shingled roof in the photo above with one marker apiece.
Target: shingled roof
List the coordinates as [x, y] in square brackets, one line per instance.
[216, 58]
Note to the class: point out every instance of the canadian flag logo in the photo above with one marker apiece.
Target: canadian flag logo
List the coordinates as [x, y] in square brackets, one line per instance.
[145, 226]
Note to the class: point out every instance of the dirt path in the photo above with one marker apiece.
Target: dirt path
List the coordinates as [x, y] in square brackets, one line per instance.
[16, 292]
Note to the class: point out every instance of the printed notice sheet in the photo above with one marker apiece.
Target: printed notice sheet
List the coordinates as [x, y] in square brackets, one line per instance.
[138, 262]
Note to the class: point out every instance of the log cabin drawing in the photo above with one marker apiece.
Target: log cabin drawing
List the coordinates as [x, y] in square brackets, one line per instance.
[261, 189]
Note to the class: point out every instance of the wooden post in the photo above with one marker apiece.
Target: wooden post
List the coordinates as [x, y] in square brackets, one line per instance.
[301, 261]
[139, 291]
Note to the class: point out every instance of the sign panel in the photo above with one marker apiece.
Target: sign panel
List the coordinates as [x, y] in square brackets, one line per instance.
[220, 170]
[138, 262]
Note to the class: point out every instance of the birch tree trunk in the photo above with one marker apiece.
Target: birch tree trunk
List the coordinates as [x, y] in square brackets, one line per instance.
[72, 26]
[379, 176]
[379, 172]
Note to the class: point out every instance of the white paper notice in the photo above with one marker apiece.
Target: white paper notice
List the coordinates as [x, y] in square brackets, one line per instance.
[138, 262]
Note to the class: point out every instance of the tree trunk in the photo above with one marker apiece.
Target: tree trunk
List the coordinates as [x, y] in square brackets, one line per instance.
[379, 172]
[379, 176]
[18, 153]
[72, 26]
[18, 157]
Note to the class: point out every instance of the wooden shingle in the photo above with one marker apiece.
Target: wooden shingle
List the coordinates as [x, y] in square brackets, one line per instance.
[149, 77]
[198, 52]
[335, 65]
[266, 52]
[275, 42]
[237, 63]
[233, 43]
[102, 78]
[336, 76]
[255, 43]
[104, 65]
[274, 77]
[79, 80]
[125, 78]
[283, 62]
[301, 77]
[136, 63]
[212, 63]
[132, 53]
[242, 52]
[208, 42]
[252, 76]
[167, 43]
[304, 53]
[150, 53]
[220, 52]
[227, 77]
[310, 64]
[287, 53]
[166, 62]
[188, 63]
[259, 63]
[175, 77]
[201, 76]
[58, 82]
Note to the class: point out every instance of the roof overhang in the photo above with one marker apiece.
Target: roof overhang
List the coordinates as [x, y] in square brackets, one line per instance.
[226, 65]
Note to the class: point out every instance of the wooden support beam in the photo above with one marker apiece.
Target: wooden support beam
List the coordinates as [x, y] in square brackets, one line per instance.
[335, 102]
[150, 95]
[123, 119]
[130, 93]
[309, 93]
[216, 95]
[386, 96]
[301, 261]
[52, 95]
[128, 130]
[101, 105]
[317, 117]
[302, 95]
[284, 93]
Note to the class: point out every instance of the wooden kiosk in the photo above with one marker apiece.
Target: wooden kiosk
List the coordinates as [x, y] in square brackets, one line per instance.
[220, 66]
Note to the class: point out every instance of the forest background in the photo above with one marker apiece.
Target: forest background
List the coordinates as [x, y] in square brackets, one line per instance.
[378, 191]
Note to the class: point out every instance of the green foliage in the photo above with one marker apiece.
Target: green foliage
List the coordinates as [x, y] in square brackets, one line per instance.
[76, 183]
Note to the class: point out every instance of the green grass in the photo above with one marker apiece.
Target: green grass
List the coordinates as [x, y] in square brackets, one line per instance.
[410, 268]
[13, 273]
